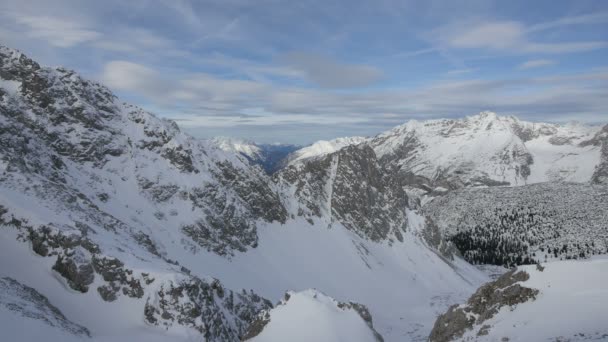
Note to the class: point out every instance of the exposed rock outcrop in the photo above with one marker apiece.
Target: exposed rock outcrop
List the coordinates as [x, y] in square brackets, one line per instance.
[349, 186]
[481, 306]
[217, 313]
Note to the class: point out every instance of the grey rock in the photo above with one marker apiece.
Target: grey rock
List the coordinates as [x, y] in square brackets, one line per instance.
[78, 274]
[481, 306]
[349, 186]
[217, 313]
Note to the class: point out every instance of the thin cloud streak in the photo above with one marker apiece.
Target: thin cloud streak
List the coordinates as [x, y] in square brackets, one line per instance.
[536, 63]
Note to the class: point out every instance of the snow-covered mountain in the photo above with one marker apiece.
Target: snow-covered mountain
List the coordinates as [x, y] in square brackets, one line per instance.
[487, 149]
[271, 157]
[482, 150]
[322, 148]
[133, 230]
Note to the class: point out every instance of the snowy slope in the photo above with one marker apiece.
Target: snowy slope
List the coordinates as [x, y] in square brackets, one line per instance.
[312, 316]
[299, 256]
[568, 304]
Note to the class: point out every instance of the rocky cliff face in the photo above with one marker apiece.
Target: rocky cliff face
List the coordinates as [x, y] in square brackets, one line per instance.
[600, 175]
[66, 136]
[557, 301]
[94, 184]
[348, 186]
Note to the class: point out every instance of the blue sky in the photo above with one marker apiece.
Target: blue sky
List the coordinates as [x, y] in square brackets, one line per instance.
[299, 71]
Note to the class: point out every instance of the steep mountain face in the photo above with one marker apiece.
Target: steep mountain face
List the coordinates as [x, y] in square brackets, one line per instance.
[94, 184]
[63, 136]
[520, 225]
[349, 186]
[600, 175]
[110, 212]
[271, 157]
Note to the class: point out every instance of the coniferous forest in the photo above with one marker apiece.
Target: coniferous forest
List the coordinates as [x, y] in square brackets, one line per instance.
[524, 225]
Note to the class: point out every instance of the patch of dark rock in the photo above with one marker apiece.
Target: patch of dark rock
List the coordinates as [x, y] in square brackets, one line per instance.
[78, 276]
[217, 313]
[483, 304]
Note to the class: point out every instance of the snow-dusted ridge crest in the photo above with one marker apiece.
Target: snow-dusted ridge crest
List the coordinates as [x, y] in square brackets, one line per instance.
[310, 315]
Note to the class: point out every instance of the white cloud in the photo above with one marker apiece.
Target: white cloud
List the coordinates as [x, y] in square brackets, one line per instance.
[536, 63]
[132, 77]
[330, 74]
[57, 32]
[494, 35]
[508, 36]
[586, 19]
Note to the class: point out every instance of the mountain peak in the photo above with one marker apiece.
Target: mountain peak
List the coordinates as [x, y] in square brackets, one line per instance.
[486, 114]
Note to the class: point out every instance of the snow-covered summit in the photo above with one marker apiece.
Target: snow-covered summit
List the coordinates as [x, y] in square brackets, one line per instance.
[248, 148]
[323, 147]
[310, 315]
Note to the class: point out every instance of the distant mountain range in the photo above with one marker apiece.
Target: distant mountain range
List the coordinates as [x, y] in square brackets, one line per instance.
[271, 157]
[484, 150]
